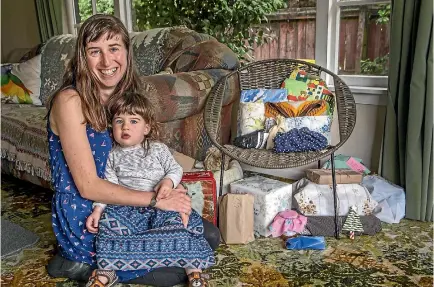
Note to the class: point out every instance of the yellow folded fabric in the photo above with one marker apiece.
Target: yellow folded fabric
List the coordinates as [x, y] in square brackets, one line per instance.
[296, 109]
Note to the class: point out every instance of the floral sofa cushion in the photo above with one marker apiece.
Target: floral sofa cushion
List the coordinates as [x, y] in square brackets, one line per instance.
[55, 55]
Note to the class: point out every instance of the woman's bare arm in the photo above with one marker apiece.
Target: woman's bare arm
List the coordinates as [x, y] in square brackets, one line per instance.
[66, 121]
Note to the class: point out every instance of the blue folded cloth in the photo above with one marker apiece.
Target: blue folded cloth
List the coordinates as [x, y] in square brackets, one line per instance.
[306, 242]
[264, 95]
[299, 140]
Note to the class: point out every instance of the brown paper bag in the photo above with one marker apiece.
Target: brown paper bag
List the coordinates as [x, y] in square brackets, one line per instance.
[236, 218]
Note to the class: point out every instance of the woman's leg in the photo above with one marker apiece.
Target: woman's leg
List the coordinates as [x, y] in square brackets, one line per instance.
[75, 246]
[169, 276]
[211, 234]
[60, 267]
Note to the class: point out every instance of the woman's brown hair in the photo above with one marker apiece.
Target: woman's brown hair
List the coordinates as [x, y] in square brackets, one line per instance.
[79, 75]
[136, 104]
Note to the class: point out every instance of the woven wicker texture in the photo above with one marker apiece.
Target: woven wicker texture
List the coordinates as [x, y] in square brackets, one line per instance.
[269, 74]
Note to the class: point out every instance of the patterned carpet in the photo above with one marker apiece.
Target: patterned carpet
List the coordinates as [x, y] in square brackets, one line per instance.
[401, 255]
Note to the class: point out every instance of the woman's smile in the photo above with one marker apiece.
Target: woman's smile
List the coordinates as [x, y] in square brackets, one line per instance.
[109, 72]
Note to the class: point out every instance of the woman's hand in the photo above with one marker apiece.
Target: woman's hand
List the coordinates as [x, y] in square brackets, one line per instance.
[177, 200]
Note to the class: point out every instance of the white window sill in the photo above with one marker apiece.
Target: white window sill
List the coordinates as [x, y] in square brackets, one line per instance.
[368, 95]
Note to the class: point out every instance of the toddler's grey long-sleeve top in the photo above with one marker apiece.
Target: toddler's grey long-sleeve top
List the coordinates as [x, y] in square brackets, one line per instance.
[138, 169]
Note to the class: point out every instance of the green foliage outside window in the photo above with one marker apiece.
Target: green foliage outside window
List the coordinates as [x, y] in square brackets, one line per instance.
[230, 22]
[102, 6]
[380, 65]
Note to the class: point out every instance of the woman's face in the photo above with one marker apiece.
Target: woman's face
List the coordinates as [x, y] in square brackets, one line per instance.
[107, 59]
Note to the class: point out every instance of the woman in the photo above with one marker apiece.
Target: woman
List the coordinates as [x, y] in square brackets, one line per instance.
[79, 143]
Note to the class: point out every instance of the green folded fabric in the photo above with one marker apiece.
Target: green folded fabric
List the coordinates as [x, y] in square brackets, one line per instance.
[341, 163]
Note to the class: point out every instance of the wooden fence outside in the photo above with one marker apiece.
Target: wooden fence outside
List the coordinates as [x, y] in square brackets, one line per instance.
[294, 37]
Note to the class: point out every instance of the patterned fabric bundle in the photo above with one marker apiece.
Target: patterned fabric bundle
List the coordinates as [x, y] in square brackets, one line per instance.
[264, 95]
[302, 86]
[130, 236]
[296, 109]
[252, 117]
[303, 109]
[256, 139]
[299, 140]
[287, 223]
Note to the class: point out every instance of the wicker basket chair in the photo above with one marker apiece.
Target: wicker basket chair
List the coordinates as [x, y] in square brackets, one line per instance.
[269, 74]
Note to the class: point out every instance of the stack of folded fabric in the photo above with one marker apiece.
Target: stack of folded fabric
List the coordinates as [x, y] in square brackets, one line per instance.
[295, 118]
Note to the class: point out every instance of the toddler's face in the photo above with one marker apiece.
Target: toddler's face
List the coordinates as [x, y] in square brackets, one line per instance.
[129, 130]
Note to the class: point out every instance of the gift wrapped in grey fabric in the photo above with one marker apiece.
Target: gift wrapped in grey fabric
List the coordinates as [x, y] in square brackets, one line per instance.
[325, 225]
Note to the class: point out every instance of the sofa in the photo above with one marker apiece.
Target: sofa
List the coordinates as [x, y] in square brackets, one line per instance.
[178, 68]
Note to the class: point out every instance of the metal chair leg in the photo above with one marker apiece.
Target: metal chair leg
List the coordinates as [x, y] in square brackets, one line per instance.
[335, 200]
[220, 192]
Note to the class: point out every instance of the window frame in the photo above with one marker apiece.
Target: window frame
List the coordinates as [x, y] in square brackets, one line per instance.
[122, 10]
[326, 37]
[327, 47]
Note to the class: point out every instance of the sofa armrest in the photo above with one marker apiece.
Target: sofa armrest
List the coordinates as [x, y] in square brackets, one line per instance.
[181, 95]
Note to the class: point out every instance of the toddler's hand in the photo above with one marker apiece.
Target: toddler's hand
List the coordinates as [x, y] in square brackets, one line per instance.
[163, 188]
[93, 220]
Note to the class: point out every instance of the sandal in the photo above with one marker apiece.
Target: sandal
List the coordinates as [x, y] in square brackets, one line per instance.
[198, 279]
[94, 281]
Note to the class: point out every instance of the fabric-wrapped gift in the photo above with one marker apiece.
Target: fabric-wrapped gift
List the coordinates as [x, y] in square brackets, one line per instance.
[316, 199]
[324, 176]
[263, 95]
[319, 124]
[201, 187]
[302, 86]
[257, 139]
[299, 140]
[344, 162]
[252, 117]
[296, 109]
[271, 197]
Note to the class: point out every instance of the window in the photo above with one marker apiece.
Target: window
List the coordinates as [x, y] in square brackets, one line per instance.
[79, 10]
[291, 33]
[358, 34]
[348, 37]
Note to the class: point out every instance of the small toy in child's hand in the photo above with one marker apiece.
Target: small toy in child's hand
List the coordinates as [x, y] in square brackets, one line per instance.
[256, 140]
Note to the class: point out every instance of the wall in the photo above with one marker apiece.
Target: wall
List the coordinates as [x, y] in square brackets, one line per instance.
[19, 29]
[364, 143]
